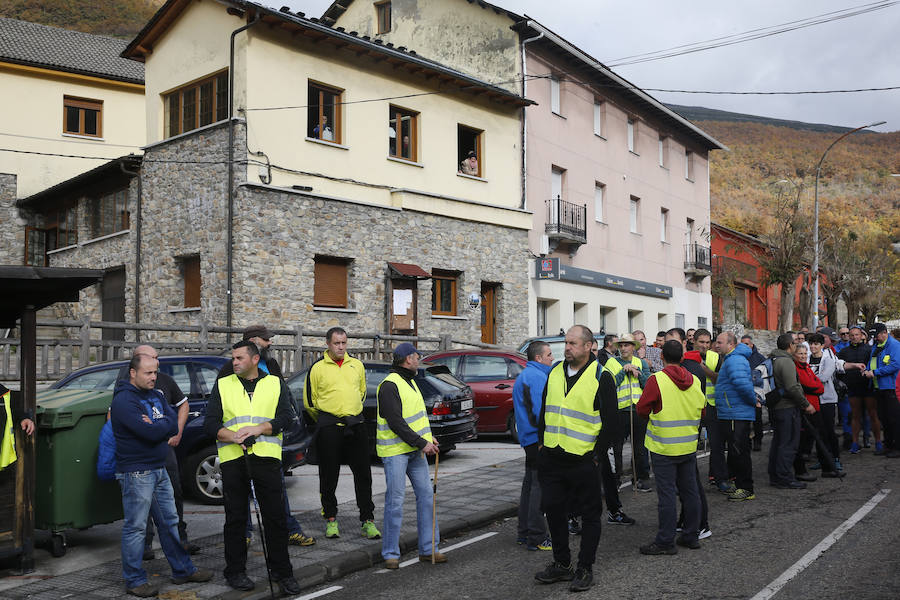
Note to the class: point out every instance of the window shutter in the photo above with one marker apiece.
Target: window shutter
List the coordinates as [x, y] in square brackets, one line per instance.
[330, 286]
[191, 281]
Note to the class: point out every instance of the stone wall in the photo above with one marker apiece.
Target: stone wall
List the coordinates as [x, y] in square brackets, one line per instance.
[12, 224]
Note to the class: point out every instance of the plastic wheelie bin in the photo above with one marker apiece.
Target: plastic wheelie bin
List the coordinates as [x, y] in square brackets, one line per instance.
[68, 493]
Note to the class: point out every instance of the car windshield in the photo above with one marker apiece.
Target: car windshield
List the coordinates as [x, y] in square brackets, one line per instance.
[441, 380]
[104, 379]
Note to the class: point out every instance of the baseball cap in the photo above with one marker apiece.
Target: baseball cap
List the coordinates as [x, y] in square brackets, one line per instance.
[260, 331]
[830, 333]
[878, 328]
[404, 350]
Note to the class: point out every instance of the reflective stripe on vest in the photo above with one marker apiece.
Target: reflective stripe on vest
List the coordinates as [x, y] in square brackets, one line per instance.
[238, 411]
[412, 409]
[712, 361]
[673, 431]
[8, 441]
[630, 391]
[570, 421]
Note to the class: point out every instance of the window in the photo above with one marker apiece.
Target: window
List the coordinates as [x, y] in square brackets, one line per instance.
[485, 368]
[689, 234]
[383, 16]
[634, 214]
[701, 322]
[190, 270]
[323, 120]
[403, 141]
[60, 231]
[664, 224]
[664, 152]
[82, 116]
[443, 292]
[35, 247]
[109, 213]
[679, 320]
[599, 193]
[469, 150]
[330, 285]
[554, 94]
[599, 118]
[689, 165]
[631, 128]
[451, 362]
[197, 104]
[556, 182]
[635, 320]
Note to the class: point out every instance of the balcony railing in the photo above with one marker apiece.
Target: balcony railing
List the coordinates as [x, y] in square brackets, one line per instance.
[566, 221]
[724, 267]
[697, 260]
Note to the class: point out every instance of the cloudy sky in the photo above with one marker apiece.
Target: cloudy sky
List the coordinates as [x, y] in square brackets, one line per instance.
[856, 52]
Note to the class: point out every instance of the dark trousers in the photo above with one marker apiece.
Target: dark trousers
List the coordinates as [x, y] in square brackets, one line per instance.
[267, 481]
[676, 473]
[704, 505]
[889, 415]
[785, 440]
[736, 436]
[532, 524]
[636, 428]
[349, 443]
[610, 483]
[175, 478]
[717, 468]
[829, 412]
[758, 427]
[571, 486]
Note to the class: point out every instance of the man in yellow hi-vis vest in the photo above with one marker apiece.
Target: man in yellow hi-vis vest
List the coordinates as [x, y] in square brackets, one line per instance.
[710, 362]
[9, 415]
[402, 439]
[673, 402]
[578, 415]
[246, 413]
[630, 374]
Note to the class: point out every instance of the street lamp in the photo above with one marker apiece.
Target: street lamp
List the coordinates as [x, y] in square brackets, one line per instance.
[815, 268]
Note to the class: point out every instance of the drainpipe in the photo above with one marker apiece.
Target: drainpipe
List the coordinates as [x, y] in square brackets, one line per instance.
[137, 250]
[525, 120]
[229, 250]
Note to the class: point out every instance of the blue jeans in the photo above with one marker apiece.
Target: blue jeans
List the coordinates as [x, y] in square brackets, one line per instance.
[396, 470]
[143, 493]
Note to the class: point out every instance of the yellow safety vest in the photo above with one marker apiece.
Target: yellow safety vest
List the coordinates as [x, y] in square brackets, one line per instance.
[673, 430]
[8, 443]
[630, 391]
[712, 361]
[388, 443]
[570, 420]
[239, 411]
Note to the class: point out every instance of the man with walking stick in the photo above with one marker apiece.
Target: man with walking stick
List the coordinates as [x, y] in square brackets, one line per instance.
[246, 413]
[403, 438]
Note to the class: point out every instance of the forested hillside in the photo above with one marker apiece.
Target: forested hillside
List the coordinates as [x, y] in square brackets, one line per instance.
[117, 18]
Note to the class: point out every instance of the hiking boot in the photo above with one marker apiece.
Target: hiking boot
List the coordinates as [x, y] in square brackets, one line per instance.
[582, 581]
[545, 545]
[331, 529]
[521, 540]
[834, 474]
[653, 549]
[198, 576]
[805, 477]
[299, 539]
[619, 518]
[145, 590]
[240, 582]
[392, 563]
[554, 572]
[704, 533]
[854, 448]
[739, 495]
[369, 531]
[289, 586]
[149, 554]
[643, 486]
[438, 558]
[574, 526]
[684, 543]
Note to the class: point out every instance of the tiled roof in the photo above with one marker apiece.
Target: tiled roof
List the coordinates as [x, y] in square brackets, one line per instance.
[31, 44]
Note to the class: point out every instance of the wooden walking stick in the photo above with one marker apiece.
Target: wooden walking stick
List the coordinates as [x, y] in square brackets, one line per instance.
[437, 461]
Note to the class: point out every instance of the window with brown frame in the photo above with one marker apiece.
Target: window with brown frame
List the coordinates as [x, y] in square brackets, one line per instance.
[109, 213]
[35, 247]
[383, 16]
[190, 268]
[61, 227]
[469, 154]
[82, 116]
[404, 133]
[443, 292]
[324, 113]
[330, 276]
[197, 104]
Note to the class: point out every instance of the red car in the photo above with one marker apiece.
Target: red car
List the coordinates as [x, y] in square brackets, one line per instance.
[490, 374]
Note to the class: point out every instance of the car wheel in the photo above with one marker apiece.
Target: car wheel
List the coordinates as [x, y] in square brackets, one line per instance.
[204, 476]
[511, 425]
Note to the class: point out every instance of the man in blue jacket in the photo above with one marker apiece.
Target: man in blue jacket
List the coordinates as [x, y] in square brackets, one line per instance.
[143, 422]
[527, 402]
[883, 367]
[736, 411]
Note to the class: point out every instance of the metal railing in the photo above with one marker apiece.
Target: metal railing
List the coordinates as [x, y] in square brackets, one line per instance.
[697, 259]
[566, 220]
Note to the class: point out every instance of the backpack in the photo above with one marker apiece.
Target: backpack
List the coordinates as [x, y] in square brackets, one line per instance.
[106, 453]
[764, 377]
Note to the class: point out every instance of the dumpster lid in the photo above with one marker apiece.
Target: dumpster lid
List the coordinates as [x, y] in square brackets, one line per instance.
[58, 409]
[40, 287]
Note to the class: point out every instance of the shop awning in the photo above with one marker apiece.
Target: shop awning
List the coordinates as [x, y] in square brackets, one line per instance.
[408, 271]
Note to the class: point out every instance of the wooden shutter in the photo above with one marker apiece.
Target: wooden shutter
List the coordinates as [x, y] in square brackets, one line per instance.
[330, 286]
[191, 281]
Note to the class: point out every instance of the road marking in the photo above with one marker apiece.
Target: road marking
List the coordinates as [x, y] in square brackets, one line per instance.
[413, 561]
[808, 558]
[320, 593]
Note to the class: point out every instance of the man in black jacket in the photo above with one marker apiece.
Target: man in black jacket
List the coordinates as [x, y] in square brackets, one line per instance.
[859, 388]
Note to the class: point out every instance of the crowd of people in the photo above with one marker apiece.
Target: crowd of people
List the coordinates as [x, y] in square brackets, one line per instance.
[667, 398]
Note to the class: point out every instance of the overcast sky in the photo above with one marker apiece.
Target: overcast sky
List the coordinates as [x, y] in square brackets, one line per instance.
[857, 52]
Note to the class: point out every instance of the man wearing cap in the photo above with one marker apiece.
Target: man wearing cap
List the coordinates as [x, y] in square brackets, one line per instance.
[884, 364]
[334, 394]
[10, 415]
[630, 373]
[403, 439]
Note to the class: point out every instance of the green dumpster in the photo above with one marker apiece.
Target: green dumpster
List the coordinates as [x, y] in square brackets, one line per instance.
[68, 493]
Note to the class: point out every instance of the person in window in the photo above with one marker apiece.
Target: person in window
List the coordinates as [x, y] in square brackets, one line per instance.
[469, 165]
[323, 131]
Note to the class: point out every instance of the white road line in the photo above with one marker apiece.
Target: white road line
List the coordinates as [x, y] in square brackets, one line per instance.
[477, 538]
[320, 593]
[808, 558]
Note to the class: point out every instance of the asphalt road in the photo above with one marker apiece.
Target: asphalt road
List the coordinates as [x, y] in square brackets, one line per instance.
[838, 539]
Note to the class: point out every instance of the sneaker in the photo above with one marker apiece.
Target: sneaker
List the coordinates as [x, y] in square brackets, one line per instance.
[554, 572]
[619, 518]
[331, 529]
[685, 543]
[240, 582]
[816, 466]
[299, 539]
[289, 586]
[145, 590]
[545, 545]
[726, 487]
[879, 449]
[653, 548]
[704, 533]
[643, 486]
[392, 563]
[582, 581]
[838, 465]
[574, 526]
[198, 576]
[369, 531]
[854, 448]
[740, 495]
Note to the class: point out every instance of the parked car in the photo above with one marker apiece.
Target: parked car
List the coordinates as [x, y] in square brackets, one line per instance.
[449, 402]
[198, 460]
[490, 374]
[558, 343]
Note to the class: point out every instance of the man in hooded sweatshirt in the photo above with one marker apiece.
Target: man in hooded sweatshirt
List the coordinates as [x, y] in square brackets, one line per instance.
[673, 401]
